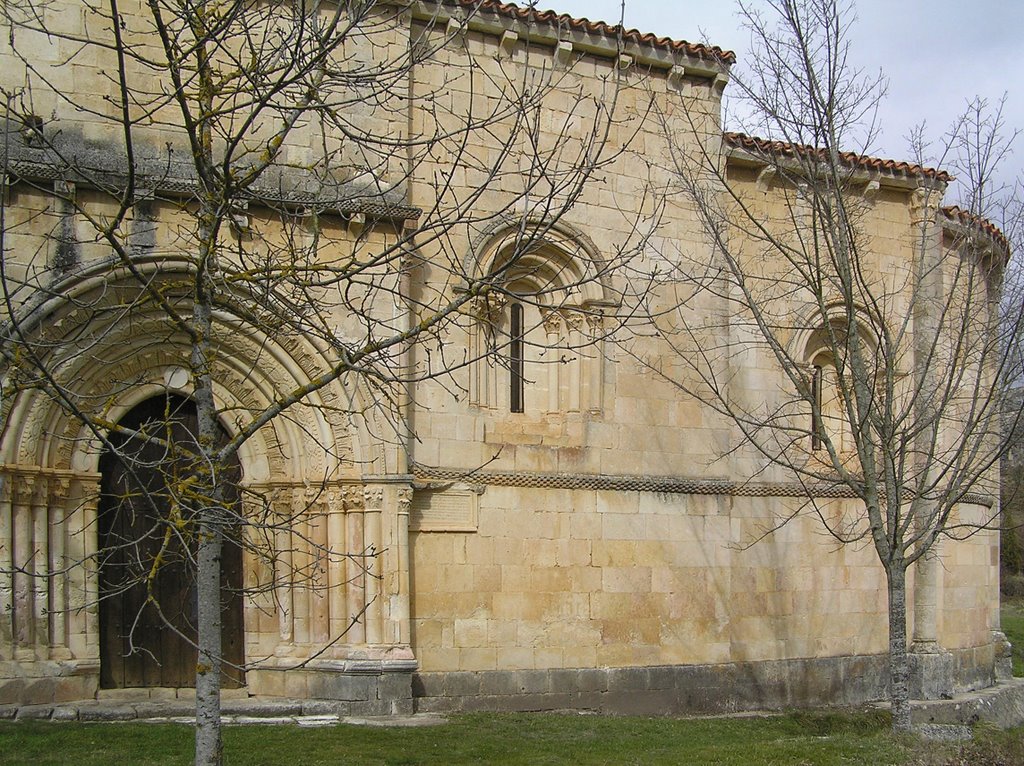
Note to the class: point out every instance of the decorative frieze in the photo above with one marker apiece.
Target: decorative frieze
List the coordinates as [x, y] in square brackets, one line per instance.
[664, 484]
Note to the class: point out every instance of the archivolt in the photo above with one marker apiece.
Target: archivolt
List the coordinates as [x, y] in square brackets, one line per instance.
[813, 334]
[106, 357]
[544, 259]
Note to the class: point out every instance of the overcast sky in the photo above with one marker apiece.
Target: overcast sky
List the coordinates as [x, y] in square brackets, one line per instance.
[936, 54]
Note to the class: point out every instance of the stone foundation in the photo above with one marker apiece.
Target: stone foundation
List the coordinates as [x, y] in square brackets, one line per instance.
[372, 690]
[937, 673]
[974, 667]
[1001, 705]
[47, 682]
[660, 690]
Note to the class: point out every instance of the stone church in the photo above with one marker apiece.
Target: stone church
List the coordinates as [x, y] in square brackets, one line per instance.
[544, 523]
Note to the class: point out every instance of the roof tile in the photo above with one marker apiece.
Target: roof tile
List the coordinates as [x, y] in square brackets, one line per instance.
[851, 159]
[554, 19]
[971, 220]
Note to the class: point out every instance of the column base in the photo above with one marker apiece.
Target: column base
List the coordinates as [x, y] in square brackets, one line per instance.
[362, 687]
[932, 671]
[46, 681]
[1004, 656]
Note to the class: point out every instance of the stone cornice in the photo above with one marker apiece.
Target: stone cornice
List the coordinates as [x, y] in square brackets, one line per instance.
[750, 151]
[586, 37]
[106, 168]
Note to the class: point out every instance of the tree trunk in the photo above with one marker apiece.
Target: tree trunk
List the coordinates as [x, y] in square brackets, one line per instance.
[899, 665]
[212, 516]
[208, 735]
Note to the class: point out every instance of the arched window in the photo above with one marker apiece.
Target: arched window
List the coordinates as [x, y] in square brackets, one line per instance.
[829, 422]
[538, 337]
[532, 359]
[825, 351]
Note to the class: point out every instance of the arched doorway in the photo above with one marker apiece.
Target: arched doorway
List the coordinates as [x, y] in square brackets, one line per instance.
[147, 546]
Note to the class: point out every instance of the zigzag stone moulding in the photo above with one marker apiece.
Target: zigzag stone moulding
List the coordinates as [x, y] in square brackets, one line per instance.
[429, 475]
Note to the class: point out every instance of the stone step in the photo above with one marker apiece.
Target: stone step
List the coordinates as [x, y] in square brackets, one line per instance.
[1000, 705]
[234, 710]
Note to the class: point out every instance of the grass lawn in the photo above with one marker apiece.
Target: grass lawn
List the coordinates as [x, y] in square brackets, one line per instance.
[1013, 627]
[799, 738]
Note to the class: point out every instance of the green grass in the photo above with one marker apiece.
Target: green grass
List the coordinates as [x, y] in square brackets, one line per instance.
[800, 738]
[543, 739]
[1013, 626]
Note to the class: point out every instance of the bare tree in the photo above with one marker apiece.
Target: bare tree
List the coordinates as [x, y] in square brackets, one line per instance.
[862, 365]
[191, 179]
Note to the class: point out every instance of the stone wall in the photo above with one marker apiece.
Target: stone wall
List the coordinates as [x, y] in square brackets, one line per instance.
[658, 689]
[615, 546]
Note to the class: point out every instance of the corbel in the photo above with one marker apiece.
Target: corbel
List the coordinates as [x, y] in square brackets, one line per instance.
[456, 29]
[64, 190]
[677, 79]
[508, 42]
[766, 176]
[871, 190]
[563, 54]
[624, 61]
[144, 195]
[241, 224]
[356, 223]
[32, 130]
[409, 226]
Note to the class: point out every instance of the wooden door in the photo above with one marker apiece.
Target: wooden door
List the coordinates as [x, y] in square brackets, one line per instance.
[147, 546]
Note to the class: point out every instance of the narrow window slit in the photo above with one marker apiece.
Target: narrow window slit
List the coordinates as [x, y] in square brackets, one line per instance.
[817, 427]
[515, 360]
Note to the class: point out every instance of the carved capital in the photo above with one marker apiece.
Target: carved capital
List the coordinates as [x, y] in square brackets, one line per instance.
[374, 498]
[574, 320]
[59, 490]
[335, 499]
[552, 320]
[924, 205]
[353, 498]
[25, 487]
[486, 308]
[279, 503]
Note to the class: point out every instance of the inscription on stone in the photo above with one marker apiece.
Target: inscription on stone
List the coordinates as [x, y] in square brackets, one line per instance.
[443, 511]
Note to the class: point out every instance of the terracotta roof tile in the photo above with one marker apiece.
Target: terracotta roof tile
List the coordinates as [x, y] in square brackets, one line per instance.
[851, 159]
[951, 213]
[551, 18]
[985, 226]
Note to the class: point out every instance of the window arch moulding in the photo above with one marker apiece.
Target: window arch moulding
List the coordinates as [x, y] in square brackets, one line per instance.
[538, 333]
[815, 346]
